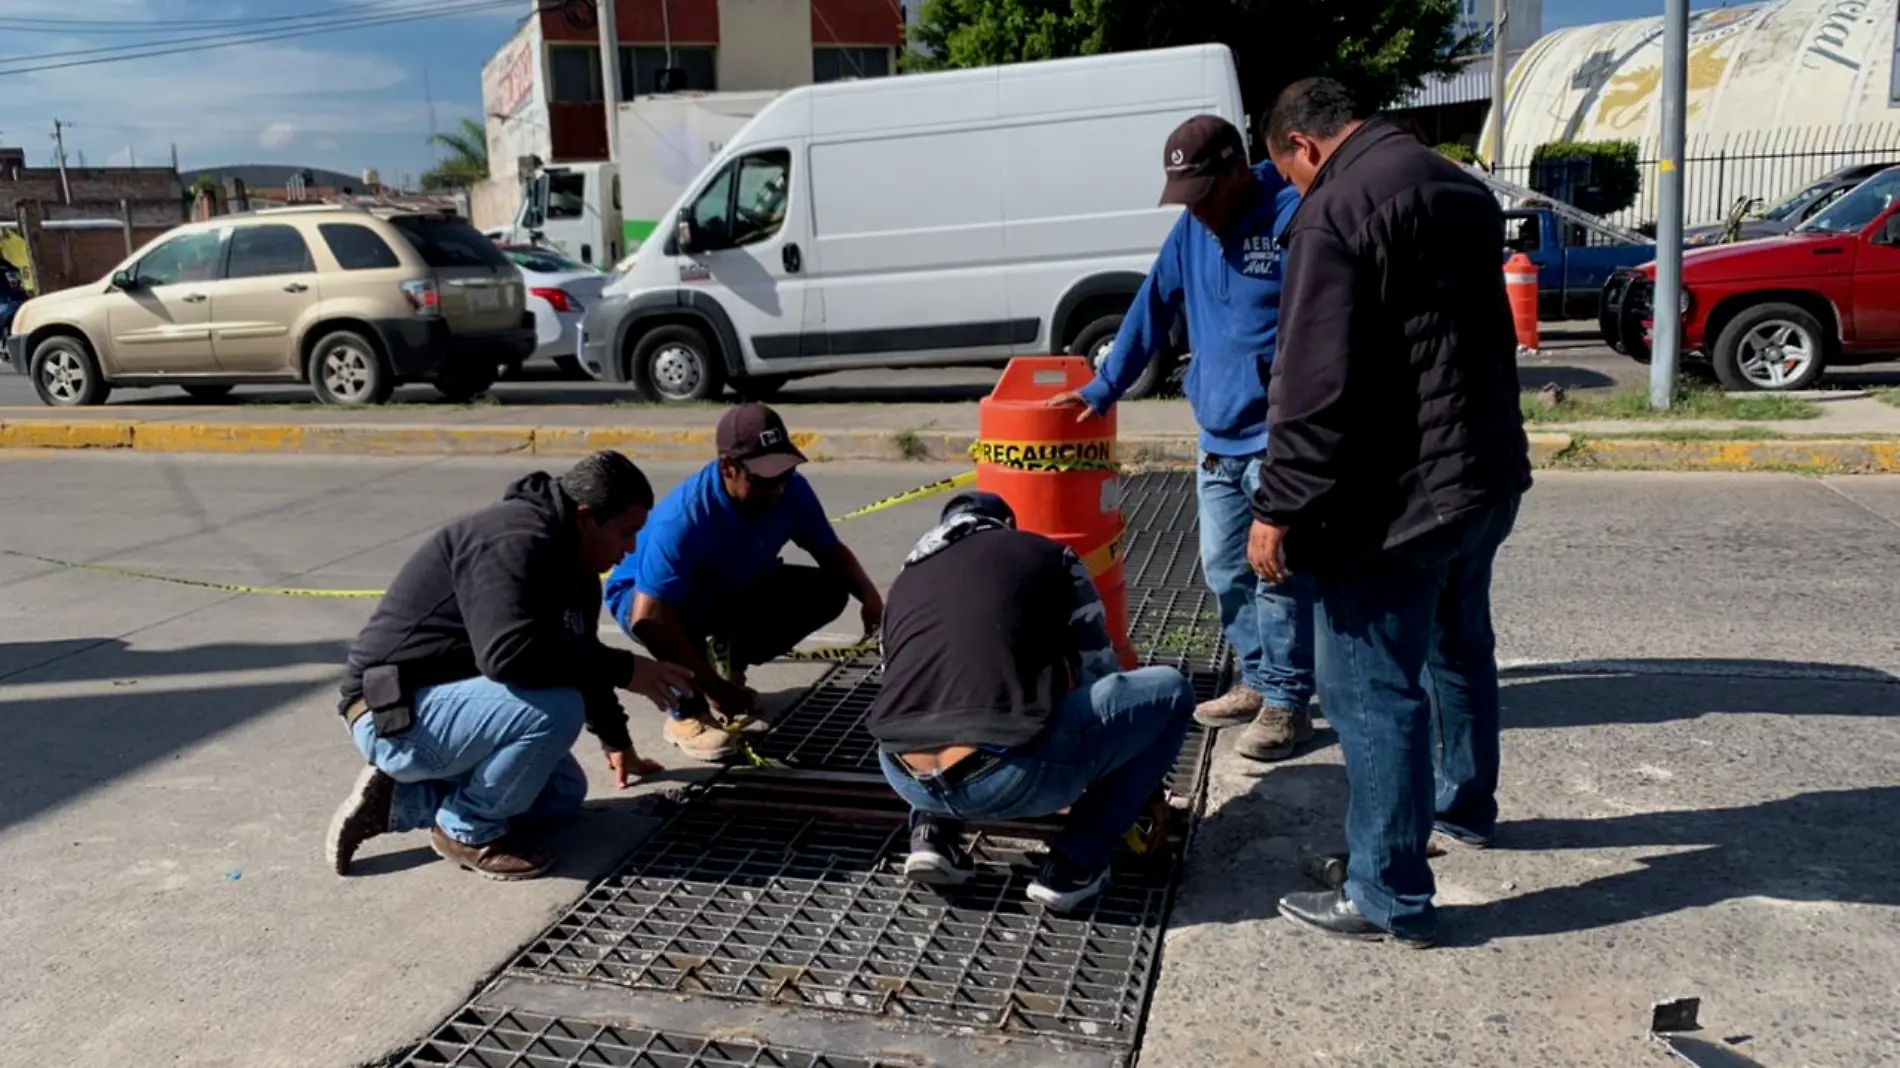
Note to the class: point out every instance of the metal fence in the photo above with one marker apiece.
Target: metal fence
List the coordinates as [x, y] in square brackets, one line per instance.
[1770, 164]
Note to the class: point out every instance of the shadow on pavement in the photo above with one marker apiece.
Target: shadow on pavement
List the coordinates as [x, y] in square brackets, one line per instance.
[59, 748]
[1533, 378]
[114, 658]
[1822, 846]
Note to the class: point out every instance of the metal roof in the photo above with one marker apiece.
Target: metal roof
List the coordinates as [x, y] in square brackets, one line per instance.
[1468, 86]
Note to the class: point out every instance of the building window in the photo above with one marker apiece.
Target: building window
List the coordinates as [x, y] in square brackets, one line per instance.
[834, 64]
[640, 67]
[574, 73]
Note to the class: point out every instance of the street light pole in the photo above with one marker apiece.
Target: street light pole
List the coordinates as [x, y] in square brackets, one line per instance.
[610, 74]
[1499, 14]
[1666, 304]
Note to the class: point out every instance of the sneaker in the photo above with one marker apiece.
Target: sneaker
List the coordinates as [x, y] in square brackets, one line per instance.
[1238, 705]
[1061, 886]
[1275, 734]
[701, 738]
[363, 815]
[503, 859]
[936, 857]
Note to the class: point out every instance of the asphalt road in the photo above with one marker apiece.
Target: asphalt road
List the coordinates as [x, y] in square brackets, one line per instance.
[1709, 813]
[1571, 358]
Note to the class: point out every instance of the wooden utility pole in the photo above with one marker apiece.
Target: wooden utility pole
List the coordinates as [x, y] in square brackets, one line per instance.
[59, 154]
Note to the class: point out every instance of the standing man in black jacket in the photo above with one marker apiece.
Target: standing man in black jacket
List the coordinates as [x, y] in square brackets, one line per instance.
[470, 684]
[1396, 460]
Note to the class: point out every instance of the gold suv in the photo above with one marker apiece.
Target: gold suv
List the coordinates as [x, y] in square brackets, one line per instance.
[352, 302]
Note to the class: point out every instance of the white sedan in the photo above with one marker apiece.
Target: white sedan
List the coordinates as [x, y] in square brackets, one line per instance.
[559, 290]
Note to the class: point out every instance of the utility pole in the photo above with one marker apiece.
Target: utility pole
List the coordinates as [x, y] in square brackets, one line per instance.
[1666, 303]
[59, 154]
[610, 75]
[1498, 69]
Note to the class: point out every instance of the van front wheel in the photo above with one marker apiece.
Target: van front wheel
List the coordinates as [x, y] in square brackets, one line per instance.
[674, 363]
[1099, 336]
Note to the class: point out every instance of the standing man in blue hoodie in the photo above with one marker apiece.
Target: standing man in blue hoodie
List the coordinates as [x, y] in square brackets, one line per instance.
[1221, 266]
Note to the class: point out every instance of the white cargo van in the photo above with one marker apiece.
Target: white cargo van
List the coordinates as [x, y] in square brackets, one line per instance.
[919, 221]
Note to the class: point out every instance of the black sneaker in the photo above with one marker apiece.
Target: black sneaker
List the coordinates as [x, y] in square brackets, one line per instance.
[936, 857]
[1062, 885]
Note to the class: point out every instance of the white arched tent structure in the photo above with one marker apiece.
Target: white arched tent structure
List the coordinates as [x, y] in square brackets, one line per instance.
[1779, 94]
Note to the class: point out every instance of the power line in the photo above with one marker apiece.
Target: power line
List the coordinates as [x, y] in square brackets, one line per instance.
[27, 24]
[182, 45]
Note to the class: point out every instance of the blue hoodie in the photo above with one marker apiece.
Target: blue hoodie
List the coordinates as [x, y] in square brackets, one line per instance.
[1230, 286]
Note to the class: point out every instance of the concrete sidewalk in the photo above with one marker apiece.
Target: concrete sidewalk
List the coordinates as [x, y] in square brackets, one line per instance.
[1854, 433]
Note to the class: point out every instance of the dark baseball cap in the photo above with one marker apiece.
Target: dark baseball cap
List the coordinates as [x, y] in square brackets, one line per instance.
[755, 436]
[980, 502]
[1199, 151]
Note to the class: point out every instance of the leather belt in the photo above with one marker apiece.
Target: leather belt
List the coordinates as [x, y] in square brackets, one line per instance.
[356, 710]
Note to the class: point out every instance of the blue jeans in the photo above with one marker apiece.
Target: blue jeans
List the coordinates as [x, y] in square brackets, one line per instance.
[1102, 756]
[1269, 627]
[480, 754]
[1406, 655]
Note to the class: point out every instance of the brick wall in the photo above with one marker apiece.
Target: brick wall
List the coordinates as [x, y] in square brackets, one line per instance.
[66, 258]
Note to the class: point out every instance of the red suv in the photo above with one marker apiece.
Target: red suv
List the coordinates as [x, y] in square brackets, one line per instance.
[1773, 314]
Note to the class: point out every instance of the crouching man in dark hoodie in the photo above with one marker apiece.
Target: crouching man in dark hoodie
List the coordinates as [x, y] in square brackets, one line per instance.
[1001, 701]
[472, 680]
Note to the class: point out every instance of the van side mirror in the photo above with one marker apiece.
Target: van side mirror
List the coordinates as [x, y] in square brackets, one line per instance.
[683, 235]
[126, 281]
[535, 211]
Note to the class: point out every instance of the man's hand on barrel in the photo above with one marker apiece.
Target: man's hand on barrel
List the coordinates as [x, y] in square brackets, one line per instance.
[1071, 398]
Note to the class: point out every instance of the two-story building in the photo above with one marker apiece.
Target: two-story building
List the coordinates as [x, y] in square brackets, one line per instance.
[543, 94]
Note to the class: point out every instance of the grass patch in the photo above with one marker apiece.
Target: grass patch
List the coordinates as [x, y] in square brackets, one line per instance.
[1889, 395]
[910, 445]
[1692, 402]
[1188, 641]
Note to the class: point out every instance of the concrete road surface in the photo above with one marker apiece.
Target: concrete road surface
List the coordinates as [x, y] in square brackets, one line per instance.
[1709, 812]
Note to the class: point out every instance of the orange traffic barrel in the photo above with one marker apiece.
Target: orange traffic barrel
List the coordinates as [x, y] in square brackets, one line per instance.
[1058, 474]
[1520, 284]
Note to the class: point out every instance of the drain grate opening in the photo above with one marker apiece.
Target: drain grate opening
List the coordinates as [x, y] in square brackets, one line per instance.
[1179, 628]
[1163, 560]
[817, 912]
[479, 1037]
[1159, 502]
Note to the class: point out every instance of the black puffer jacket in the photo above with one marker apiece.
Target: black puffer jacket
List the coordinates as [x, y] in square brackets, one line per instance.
[1394, 398]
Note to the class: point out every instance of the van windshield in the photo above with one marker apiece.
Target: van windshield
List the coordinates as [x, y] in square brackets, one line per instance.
[1854, 212]
[449, 242]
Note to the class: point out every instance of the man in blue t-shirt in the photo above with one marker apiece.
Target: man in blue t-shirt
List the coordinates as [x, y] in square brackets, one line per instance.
[706, 569]
[1220, 266]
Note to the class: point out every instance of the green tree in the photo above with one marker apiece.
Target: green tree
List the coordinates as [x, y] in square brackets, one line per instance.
[1379, 49]
[466, 161]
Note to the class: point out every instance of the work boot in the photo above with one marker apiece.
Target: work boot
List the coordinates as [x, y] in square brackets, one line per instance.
[363, 815]
[701, 737]
[503, 859]
[1238, 705]
[1331, 912]
[1275, 733]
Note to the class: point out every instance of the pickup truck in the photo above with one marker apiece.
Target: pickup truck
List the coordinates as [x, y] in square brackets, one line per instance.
[1573, 261]
[1774, 314]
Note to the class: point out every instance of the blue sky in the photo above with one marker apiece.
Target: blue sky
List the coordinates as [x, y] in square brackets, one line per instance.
[346, 100]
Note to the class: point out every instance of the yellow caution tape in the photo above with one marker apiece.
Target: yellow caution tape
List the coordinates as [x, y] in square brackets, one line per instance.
[928, 490]
[1094, 455]
[225, 587]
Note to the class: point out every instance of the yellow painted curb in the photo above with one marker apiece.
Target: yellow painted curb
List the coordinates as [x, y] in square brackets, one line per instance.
[331, 440]
[1832, 457]
[35, 434]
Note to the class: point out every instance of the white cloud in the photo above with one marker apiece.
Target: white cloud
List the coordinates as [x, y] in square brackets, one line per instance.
[277, 135]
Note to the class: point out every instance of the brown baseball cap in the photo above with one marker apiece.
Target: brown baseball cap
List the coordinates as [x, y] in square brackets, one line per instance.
[1199, 151]
[755, 436]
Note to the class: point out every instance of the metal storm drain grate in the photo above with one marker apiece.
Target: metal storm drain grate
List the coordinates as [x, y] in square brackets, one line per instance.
[1160, 501]
[735, 902]
[481, 1037]
[1179, 628]
[825, 730]
[1163, 560]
